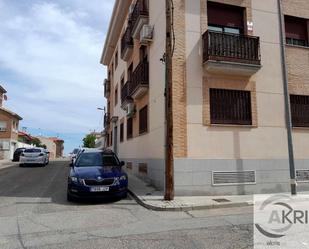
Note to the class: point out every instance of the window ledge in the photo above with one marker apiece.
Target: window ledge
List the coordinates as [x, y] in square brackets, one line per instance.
[296, 46]
[143, 133]
[300, 128]
[233, 125]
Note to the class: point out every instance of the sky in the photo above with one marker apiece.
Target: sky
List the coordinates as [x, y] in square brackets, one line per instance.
[50, 64]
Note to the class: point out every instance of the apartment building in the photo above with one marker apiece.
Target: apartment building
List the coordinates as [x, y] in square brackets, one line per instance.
[9, 122]
[230, 134]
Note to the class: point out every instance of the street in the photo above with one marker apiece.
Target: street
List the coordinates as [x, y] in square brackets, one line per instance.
[34, 213]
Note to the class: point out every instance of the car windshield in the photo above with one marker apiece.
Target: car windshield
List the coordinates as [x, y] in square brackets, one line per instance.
[32, 151]
[96, 159]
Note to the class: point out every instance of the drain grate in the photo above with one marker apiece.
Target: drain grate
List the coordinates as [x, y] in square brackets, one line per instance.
[221, 200]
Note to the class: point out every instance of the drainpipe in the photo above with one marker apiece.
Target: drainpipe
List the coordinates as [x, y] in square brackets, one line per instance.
[287, 102]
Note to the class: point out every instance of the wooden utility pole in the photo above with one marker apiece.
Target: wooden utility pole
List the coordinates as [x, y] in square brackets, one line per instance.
[169, 158]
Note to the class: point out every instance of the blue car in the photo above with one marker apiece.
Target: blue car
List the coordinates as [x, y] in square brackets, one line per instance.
[97, 174]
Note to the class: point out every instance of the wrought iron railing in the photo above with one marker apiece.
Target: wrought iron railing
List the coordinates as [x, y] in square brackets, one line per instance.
[140, 9]
[125, 92]
[140, 76]
[107, 87]
[106, 120]
[126, 40]
[231, 47]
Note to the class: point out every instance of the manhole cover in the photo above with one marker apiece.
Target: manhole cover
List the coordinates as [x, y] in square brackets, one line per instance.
[221, 200]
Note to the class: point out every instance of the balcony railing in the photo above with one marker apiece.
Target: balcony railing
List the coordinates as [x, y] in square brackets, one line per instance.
[107, 88]
[106, 120]
[127, 42]
[140, 12]
[140, 78]
[125, 93]
[228, 47]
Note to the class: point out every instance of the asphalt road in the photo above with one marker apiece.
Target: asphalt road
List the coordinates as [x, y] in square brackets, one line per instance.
[34, 213]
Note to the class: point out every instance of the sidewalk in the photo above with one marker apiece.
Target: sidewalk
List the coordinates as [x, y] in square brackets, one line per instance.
[6, 163]
[150, 198]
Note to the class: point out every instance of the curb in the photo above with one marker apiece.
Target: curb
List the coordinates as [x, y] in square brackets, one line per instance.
[189, 208]
[7, 164]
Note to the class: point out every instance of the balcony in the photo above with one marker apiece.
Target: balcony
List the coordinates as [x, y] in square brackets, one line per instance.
[225, 53]
[125, 95]
[139, 17]
[127, 43]
[106, 120]
[140, 80]
[107, 88]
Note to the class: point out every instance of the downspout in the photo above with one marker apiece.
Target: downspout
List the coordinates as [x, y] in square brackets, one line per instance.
[287, 102]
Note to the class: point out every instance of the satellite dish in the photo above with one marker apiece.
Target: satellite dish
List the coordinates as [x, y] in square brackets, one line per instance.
[5, 97]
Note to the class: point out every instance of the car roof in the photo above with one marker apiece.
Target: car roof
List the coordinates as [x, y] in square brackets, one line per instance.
[94, 150]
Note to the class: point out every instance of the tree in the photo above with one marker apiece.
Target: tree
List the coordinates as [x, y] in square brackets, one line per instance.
[37, 143]
[89, 141]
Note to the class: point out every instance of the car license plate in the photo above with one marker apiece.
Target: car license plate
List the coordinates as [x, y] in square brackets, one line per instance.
[99, 189]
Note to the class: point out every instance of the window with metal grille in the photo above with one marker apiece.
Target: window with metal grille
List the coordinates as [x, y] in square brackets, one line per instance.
[300, 110]
[121, 132]
[143, 120]
[129, 128]
[230, 107]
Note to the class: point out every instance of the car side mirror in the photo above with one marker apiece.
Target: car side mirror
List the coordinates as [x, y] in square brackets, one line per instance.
[122, 163]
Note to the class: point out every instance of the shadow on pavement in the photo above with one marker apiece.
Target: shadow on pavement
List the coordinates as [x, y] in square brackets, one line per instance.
[49, 182]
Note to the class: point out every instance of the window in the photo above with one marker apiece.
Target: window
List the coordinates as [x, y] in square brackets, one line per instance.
[121, 132]
[224, 29]
[225, 18]
[116, 96]
[3, 126]
[143, 120]
[129, 128]
[296, 31]
[116, 59]
[300, 110]
[4, 145]
[230, 107]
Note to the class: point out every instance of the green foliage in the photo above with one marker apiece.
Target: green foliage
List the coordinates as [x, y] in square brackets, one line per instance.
[37, 143]
[89, 141]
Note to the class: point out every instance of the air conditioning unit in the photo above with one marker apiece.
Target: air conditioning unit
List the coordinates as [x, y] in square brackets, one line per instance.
[130, 109]
[146, 34]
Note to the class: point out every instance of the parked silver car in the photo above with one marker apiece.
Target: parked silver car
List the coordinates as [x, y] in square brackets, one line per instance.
[38, 156]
